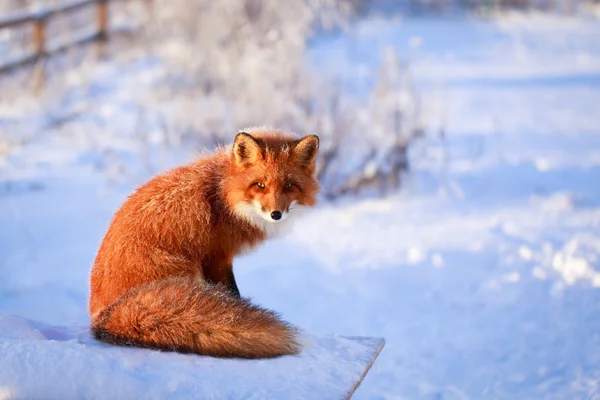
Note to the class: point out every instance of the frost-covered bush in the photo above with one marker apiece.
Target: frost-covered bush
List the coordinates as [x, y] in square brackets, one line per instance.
[232, 64]
[377, 132]
[198, 71]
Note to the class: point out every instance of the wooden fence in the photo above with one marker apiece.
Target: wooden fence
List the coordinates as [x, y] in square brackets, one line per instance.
[40, 19]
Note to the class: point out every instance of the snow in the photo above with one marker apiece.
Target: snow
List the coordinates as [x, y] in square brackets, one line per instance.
[42, 361]
[482, 273]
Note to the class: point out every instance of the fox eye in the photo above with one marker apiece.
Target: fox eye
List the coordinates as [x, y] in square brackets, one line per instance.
[288, 186]
[260, 185]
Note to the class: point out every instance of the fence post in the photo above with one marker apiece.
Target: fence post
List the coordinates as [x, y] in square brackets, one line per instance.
[102, 19]
[39, 34]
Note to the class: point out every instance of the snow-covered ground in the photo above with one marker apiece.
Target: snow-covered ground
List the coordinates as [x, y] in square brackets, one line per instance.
[482, 273]
[42, 361]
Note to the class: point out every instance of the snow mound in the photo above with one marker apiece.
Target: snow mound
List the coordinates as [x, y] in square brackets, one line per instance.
[42, 361]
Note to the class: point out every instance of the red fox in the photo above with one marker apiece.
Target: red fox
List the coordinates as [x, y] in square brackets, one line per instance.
[163, 276]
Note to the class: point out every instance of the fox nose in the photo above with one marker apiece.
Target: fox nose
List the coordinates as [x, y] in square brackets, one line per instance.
[276, 215]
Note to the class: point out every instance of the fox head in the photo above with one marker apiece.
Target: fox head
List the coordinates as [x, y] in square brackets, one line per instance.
[272, 177]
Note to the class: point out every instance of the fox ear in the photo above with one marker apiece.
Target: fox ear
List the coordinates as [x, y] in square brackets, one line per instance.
[306, 150]
[246, 149]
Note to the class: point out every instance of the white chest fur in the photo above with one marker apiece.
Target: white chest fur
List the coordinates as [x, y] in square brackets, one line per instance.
[253, 213]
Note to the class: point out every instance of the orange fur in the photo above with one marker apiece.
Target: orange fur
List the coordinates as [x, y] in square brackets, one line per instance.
[163, 277]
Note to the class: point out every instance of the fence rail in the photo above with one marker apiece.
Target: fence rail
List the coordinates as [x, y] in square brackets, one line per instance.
[39, 20]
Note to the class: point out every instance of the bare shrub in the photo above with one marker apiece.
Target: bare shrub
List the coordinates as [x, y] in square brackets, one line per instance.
[377, 133]
[229, 64]
[234, 64]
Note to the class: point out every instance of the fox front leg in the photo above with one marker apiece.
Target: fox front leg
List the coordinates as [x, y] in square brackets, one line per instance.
[221, 272]
[232, 285]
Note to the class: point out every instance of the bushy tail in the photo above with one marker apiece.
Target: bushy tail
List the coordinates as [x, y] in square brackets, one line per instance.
[190, 316]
